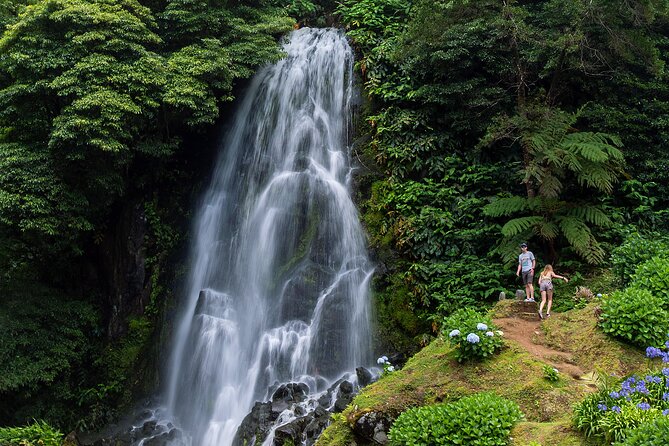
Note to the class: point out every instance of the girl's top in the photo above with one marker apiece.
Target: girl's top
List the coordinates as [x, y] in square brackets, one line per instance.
[546, 278]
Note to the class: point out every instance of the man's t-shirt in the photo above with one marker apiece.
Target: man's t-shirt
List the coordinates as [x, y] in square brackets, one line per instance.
[525, 259]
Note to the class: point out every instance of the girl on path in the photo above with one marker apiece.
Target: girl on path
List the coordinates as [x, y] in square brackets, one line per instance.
[546, 287]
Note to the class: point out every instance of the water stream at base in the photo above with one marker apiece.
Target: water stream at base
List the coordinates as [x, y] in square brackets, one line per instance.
[279, 276]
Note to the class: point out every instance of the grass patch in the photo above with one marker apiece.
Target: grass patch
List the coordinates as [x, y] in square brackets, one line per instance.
[556, 433]
[433, 375]
[576, 332]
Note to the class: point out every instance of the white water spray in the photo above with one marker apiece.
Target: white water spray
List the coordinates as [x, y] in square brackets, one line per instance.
[278, 285]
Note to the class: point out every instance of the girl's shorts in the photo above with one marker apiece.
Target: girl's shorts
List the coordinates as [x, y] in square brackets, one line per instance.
[545, 286]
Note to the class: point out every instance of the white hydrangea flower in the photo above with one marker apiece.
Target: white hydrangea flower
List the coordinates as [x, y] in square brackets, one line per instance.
[481, 326]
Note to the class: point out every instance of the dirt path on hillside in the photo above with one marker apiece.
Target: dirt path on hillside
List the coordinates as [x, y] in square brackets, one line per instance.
[530, 336]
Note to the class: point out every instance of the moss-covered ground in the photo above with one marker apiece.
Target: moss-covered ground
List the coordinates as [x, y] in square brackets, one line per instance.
[433, 375]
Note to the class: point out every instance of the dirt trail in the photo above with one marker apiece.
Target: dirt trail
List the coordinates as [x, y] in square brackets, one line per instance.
[530, 336]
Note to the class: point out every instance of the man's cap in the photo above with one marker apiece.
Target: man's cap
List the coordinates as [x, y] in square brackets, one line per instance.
[523, 245]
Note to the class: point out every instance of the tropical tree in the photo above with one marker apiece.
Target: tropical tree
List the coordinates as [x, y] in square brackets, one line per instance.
[557, 156]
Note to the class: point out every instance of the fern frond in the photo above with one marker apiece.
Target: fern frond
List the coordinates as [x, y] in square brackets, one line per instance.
[590, 214]
[580, 237]
[547, 230]
[503, 207]
[550, 186]
[597, 176]
[519, 225]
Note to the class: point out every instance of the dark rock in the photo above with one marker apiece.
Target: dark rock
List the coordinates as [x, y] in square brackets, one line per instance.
[71, 439]
[365, 377]
[345, 388]
[148, 428]
[341, 403]
[291, 432]
[256, 425]
[291, 392]
[373, 426]
[325, 400]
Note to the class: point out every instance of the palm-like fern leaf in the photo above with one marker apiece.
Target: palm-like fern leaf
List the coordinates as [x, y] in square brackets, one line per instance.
[519, 225]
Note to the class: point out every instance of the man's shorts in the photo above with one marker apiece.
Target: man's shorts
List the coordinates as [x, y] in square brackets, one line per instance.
[528, 276]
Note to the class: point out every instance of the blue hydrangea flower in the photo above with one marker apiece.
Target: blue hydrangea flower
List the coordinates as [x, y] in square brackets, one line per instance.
[665, 371]
[653, 352]
[665, 396]
[653, 379]
[489, 334]
[665, 357]
[615, 409]
[454, 333]
[615, 395]
[481, 326]
[643, 406]
[473, 339]
[665, 412]
[602, 407]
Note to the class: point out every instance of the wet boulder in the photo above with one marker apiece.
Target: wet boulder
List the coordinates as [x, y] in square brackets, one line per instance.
[365, 377]
[256, 425]
[373, 426]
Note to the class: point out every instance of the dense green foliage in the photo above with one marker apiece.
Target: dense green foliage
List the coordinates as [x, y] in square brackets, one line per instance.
[653, 275]
[654, 432]
[497, 122]
[101, 102]
[635, 315]
[636, 249]
[473, 335]
[484, 419]
[38, 433]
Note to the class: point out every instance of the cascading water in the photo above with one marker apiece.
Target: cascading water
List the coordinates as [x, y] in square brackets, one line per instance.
[278, 286]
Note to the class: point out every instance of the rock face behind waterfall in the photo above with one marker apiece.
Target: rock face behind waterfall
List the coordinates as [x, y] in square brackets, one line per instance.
[277, 305]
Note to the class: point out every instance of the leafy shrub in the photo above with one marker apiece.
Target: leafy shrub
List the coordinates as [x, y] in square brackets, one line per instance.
[636, 316]
[39, 433]
[551, 373]
[654, 432]
[484, 419]
[635, 250]
[613, 411]
[653, 275]
[473, 335]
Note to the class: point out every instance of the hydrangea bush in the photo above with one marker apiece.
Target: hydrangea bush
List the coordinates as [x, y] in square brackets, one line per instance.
[614, 411]
[653, 276]
[655, 432]
[635, 315]
[635, 250]
[484, 419]
[473, 335]
[386, 364]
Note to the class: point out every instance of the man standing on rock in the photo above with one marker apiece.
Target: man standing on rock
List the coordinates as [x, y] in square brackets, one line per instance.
[526, 264]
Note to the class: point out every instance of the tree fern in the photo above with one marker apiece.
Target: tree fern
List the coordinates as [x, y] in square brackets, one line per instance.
[504, 207]
[555, 155]
[519, 225]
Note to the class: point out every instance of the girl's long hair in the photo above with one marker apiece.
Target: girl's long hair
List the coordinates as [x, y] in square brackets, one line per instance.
[547, 269]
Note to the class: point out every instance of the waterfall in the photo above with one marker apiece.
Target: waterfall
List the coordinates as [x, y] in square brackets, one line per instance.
[278, 280]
